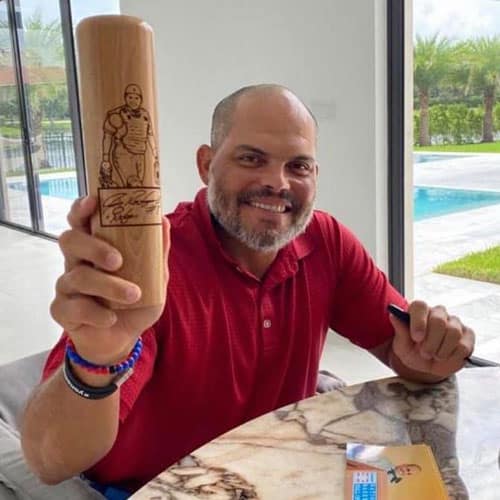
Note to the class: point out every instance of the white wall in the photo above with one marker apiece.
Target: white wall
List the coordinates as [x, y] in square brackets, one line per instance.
[332, 53]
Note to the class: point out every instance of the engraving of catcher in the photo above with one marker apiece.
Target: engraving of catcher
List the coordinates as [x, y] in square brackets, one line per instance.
[128, 132]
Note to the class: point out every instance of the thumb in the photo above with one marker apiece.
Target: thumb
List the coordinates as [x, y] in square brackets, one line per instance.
[402, 337]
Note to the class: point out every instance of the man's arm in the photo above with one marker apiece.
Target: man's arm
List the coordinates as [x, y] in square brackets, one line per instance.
[62, 433]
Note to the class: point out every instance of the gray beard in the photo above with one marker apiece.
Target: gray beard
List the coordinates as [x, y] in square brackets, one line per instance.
[268, 240]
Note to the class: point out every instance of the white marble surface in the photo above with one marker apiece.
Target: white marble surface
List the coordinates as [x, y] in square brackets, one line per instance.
[297, 452]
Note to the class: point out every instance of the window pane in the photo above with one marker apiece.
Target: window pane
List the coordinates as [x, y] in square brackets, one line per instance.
[457, 162]
[80, 9]
[49, 123]
[14, 202]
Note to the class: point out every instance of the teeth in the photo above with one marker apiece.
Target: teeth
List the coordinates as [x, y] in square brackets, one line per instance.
[272, 208]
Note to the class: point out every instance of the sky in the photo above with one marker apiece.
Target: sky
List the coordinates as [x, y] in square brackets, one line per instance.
[79, 8]
[456, 19]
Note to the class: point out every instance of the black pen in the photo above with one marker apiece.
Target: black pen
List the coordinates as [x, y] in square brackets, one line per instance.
[405, 318]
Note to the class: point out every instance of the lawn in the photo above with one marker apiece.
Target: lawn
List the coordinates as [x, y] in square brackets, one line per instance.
[483, 147]
[481, 266]
[14, 132]
[41, 171]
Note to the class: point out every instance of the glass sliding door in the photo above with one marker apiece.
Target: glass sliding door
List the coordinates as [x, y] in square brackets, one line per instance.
[42, 60]
[14, 200]
[41, 166]
[444, 86]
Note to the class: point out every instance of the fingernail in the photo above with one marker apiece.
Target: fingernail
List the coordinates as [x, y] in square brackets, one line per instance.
[85, 201]
[418, 335]
[113, 260]
[133, 293]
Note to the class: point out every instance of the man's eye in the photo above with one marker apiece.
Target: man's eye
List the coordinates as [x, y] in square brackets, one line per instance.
[301, 167]
[252, 159]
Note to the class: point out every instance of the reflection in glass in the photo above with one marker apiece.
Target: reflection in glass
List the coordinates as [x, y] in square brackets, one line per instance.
[49, 122]
[14, 203]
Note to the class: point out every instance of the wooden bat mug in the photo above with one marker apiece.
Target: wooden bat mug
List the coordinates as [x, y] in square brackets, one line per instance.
[115, 56]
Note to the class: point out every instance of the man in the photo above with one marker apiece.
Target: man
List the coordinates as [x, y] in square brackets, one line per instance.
[127, 134]
[256, 278]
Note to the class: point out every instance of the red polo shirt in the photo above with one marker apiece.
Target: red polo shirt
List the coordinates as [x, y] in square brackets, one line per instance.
[229, 347]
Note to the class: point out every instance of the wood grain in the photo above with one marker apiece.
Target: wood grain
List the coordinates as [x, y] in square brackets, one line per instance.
[120, 130]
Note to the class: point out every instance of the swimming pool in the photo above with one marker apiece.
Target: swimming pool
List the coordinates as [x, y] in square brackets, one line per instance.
[428, 201]
[426, 157]
[60, 187]
[431, 202]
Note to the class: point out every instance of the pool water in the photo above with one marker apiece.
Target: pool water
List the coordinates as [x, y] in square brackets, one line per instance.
[61, 187]
[431, 202]
[428, 201]
[426, 157]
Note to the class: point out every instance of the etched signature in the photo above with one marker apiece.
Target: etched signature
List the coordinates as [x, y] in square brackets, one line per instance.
[131, 206]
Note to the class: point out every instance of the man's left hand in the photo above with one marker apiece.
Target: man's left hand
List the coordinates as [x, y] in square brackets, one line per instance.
[435, 343]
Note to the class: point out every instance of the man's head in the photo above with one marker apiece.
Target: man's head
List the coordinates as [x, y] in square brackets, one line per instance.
[261, 166]
[407, 469]
[133, 96]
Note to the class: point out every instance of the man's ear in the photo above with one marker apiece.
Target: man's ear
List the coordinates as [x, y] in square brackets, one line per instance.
[204, 157]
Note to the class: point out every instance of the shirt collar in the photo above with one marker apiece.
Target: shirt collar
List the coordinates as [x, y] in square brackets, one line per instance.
[284, 265]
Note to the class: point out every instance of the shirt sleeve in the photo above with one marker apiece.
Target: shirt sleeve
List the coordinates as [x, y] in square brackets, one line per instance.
[362, 291]
[132, 387]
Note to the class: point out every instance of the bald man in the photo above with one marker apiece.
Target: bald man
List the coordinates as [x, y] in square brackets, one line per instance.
[256, 279]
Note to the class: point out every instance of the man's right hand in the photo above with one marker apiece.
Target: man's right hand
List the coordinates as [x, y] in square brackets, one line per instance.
[101, 335]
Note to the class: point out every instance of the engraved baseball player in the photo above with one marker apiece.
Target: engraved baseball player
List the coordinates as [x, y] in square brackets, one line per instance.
[128, 132]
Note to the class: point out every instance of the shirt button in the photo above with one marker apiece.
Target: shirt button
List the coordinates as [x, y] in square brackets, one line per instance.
[267, 323]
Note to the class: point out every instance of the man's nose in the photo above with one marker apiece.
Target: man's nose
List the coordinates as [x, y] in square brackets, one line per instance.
[276, 177]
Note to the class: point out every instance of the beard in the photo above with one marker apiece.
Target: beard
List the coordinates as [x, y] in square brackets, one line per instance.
[226, 210]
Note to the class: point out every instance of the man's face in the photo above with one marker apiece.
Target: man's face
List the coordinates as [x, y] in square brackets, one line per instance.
[133, 101]
[407, 469]
[262, 178]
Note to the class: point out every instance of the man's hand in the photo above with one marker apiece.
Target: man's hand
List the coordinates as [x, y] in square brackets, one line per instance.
[100, 335]
[435, 343]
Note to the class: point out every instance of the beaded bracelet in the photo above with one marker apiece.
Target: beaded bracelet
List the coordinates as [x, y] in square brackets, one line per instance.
[105, 369]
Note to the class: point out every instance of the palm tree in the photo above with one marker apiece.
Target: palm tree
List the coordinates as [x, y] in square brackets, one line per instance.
[433, 62]
[484, 60]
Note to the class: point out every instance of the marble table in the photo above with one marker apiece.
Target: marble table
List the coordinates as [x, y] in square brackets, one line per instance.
[298, 452]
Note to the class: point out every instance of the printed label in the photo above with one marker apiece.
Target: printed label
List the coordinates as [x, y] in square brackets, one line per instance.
[364, 485]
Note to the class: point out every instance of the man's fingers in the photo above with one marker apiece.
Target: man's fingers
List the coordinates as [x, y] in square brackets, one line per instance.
[81, 211]
[73, 312]
[85, 280]
[437, 321]
[403, 342]
[418, 311]
[451, 339]
[79, 246]
[466, 345]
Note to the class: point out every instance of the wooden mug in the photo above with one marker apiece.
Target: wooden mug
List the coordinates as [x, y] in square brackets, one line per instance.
[116, 66]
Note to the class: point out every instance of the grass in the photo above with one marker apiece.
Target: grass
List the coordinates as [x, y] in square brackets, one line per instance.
[14, 132]
[41, 171]
[483, 147]
[481, 266]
